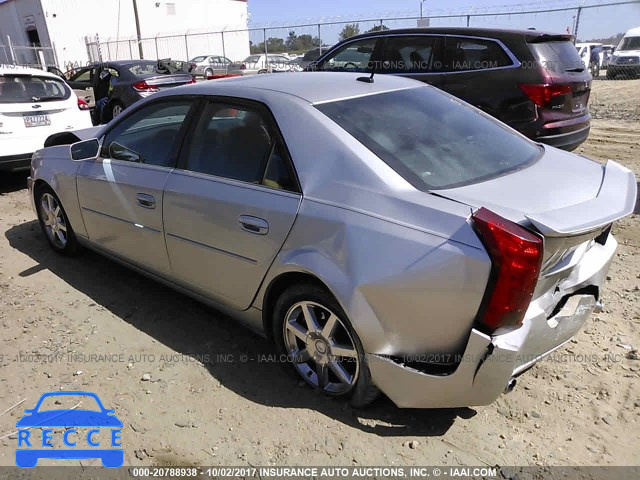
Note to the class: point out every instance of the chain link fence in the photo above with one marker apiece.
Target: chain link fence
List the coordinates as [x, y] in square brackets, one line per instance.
[40, 57]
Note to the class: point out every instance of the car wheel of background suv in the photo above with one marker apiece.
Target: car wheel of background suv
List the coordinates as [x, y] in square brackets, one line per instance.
[55, 223]
[312, 331]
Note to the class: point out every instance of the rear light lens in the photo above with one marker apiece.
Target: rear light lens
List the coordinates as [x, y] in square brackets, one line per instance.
[516, 257]
[193, 80]
[542, 94]
[144, 87]
[82, 105]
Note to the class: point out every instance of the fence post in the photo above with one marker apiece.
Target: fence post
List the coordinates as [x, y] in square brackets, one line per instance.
[575, 30]
[266, 50]
[224, 50]
[130, 49]
[13, 55]
[186, 47]
[320, 40]
[468, 19]
[156, 42]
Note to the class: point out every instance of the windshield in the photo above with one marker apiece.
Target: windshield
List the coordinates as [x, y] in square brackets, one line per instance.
[27, 89]
[630, 43]
[433, 140]
[68, 402]
[558, 57]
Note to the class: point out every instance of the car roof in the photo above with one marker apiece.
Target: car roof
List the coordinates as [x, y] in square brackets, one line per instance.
[17, 70]
[499, 33]
[633, 32]
[313, 87]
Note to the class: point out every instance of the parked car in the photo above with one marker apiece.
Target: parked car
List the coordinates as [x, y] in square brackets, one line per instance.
[210, 66]
[121, 83]
[264, 64]
[33, 105]
[384, 234]
[625, 61]
[312, 56]
[533, 81]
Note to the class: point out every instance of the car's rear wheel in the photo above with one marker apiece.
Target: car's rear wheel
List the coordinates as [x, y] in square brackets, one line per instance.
[55, 223]
[116, 109]
[313, 332]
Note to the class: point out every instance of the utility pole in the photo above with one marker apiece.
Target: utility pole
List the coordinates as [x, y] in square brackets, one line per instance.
[138, 36]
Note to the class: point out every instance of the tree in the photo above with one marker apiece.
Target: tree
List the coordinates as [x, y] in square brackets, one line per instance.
[377, 28]
[349, 30]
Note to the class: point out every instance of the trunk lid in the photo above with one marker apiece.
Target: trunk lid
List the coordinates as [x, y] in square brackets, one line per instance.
[569, 200]
[169, 80]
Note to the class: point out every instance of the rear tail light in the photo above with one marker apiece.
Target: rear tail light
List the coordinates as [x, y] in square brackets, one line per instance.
[82, 105]
[193, 80]
[542, 94]
[144, 87]
[516, 256]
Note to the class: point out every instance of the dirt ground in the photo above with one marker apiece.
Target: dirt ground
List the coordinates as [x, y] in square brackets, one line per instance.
[174, 373]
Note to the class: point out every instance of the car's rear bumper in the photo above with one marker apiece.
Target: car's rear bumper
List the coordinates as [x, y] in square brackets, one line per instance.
[566, 140]
[490, 362]
[12, 163]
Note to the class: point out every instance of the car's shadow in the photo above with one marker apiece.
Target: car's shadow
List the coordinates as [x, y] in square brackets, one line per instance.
[191, 328]
[13, 181]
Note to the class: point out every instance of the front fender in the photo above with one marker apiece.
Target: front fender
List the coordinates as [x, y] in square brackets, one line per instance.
[54, 167]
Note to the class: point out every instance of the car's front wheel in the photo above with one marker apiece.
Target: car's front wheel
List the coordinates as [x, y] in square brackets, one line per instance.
[208, 73]
[55, 223]
[313, 334]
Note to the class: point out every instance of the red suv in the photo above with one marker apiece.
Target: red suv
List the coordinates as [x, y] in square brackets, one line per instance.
[533, 81]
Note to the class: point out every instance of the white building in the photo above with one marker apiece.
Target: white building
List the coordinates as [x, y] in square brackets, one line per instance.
[176, 28]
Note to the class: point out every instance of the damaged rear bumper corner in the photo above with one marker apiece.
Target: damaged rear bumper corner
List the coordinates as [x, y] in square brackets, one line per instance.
[482, 375]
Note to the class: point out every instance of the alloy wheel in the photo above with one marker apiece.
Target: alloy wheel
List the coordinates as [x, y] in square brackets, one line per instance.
[321, 348]
[53, 219]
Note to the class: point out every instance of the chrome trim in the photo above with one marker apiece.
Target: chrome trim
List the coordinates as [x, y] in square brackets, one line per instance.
[135, 225]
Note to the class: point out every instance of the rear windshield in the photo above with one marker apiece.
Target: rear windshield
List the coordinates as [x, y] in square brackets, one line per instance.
[143, 69]
[630, 43]
[27, 89]
[198, 59]
[558, 57]
[433, 140]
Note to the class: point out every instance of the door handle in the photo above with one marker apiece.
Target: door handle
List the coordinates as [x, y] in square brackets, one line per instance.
[256, 225]
[146, 201]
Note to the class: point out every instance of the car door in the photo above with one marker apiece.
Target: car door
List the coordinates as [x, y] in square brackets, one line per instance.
[414, 56]
[482, 72]
[230, 205]
[120, 193]
[82, 84]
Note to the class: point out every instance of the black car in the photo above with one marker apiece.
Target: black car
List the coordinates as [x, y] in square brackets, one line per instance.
[534, 81]
[110, 87]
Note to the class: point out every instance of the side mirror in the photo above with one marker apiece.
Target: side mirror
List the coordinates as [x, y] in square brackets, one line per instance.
[120, 152]
[85, 150]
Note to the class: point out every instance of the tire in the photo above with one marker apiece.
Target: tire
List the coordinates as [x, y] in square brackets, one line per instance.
[55, 223]
[312, 353]
[207, 73]
[115, 109]
[261, 72]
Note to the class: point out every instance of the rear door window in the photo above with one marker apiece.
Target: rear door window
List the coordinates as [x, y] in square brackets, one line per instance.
[28, 89]
[431, 139]
[468, 54]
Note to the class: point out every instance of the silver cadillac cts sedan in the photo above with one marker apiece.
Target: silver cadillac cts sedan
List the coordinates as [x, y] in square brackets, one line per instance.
[385, 235]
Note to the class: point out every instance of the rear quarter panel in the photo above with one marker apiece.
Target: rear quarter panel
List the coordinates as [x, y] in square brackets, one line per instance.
[405, 291]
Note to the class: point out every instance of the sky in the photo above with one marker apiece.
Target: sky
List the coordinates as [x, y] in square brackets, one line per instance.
[594, 23]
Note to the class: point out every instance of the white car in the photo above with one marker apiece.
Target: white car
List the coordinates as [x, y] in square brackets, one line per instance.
[265, 64]
[34, 105]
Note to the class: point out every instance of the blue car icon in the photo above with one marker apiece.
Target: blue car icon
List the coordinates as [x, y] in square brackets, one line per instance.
[69, 419]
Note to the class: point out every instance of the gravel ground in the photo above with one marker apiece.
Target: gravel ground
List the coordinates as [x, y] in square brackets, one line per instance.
[174, 373]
